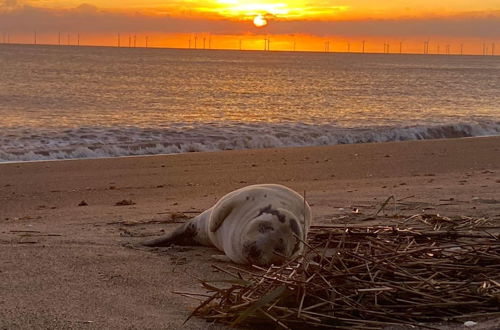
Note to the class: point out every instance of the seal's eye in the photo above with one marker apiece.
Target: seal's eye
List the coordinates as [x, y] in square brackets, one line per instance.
[252, 252]
[265, 227]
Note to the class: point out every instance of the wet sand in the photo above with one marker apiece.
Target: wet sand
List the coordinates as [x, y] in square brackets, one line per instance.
[64, 263]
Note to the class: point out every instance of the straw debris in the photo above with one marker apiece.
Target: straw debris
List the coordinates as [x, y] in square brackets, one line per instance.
[427, 268]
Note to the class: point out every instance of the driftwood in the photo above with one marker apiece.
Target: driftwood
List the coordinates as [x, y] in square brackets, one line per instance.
[365, 277]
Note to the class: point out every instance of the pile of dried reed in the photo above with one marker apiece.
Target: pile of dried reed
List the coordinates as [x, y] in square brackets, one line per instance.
[364, 277]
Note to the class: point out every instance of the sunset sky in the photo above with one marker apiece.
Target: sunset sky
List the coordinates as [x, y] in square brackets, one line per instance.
[340, 25]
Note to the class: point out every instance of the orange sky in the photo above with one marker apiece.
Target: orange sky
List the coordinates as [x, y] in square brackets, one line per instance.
[459, 25]
[291, 9]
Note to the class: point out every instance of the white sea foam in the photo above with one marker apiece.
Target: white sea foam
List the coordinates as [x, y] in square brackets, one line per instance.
[98, 142]
[95, 102]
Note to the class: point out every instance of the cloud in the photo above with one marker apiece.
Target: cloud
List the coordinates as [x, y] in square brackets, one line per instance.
[88, 18]
[87, 8]
[9, 4]
[465, 26]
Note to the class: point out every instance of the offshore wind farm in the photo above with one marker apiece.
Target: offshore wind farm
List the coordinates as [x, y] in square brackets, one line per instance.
[256, 42]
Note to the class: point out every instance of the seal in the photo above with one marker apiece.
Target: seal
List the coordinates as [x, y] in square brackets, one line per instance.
[260, 224]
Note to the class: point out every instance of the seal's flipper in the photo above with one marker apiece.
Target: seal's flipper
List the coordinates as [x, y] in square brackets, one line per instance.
[184, 235]
[220, 257]
[223, 209]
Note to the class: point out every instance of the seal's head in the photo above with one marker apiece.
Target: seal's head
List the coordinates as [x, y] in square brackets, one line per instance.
[272, 237]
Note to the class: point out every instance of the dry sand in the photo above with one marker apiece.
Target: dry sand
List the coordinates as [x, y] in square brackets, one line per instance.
[64, 266]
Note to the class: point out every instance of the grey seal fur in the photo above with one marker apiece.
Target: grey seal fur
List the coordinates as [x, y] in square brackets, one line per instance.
[260, 224]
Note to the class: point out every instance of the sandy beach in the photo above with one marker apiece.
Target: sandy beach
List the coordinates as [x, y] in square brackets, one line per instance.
[65, 224]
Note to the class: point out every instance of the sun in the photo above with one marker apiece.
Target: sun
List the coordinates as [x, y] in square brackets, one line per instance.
[259, 21]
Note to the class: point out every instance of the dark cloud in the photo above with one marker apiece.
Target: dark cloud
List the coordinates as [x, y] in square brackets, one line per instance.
[87, 18]
[8, 4]
[87, 8]
[474, 26]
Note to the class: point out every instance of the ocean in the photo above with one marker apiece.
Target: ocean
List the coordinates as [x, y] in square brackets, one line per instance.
[61, 102]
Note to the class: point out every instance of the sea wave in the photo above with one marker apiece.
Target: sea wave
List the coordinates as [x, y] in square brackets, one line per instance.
[98, 142]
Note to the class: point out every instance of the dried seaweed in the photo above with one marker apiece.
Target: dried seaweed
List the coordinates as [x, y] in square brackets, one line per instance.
[366, 277]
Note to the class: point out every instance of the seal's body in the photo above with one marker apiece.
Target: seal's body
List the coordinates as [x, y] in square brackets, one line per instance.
[260, 224]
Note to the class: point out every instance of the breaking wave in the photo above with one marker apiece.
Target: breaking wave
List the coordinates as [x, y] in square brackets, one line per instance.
[99, 142]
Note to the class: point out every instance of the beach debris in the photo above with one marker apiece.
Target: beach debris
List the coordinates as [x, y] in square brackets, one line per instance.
[27, 239]
[31, 233]
[125, 202]
[26, 217]
[470, 324]
[486, 201]
[428, 268]
[179, 215]
[177, 260]
[384, 204]
[172, 217]
[83, 203]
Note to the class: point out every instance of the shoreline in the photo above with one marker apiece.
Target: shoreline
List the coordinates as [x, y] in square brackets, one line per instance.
[66, 266]
[235, 149]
